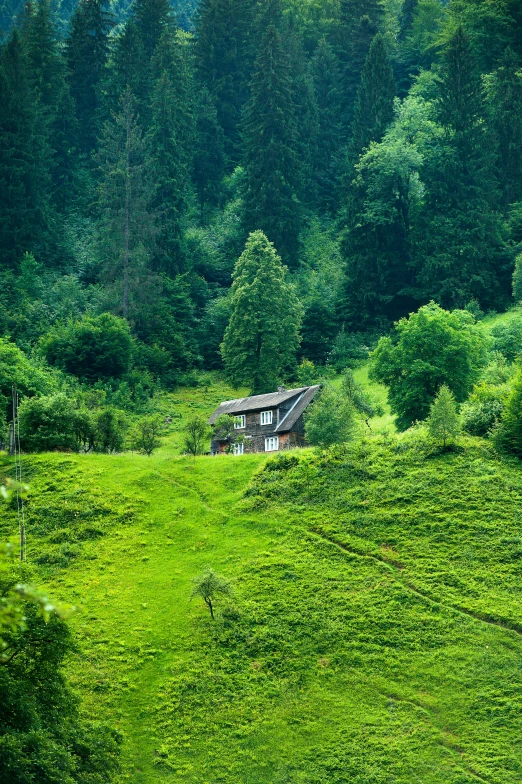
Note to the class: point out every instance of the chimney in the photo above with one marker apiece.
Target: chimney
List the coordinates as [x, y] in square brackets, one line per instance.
[281, 390]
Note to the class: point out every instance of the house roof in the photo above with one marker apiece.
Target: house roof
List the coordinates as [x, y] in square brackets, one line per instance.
[260, 402]
[302, 402]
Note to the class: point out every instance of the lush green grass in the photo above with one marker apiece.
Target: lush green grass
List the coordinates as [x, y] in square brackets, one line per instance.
[374, 636]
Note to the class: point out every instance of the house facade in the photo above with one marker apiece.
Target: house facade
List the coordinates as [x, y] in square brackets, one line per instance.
[265, 423]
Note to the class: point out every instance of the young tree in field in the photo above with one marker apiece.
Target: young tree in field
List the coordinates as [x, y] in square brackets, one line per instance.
[374, 106]
[270, 138]
[124, 196]
[431, 348]
[443, 420]
[262, 337]
[208, 587]
[330, 419]
[146, 435]
[196, 434]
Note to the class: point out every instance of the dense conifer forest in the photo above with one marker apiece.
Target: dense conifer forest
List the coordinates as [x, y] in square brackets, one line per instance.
[205, 200]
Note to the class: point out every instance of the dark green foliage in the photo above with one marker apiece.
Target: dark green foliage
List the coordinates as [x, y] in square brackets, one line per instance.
[16, 368]
[225, 49]
[49, 423]
[270, 150]
[96, 347]
[431, 348]
[374, 107]
[87, 53]
[209, 158]
[25, 158]
[262, 337]
[152, 18]
[348, 349]
[326, 75]
[462, 248]
[517, 279]
[318, 330]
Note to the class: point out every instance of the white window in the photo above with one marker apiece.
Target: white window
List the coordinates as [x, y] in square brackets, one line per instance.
[238, 449]
[266, 417]
[240, 422]
[271, 444]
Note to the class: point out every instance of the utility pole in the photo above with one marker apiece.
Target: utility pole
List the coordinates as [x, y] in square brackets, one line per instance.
[14, 449]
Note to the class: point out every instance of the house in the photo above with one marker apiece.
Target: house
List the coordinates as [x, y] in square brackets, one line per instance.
[265, 423]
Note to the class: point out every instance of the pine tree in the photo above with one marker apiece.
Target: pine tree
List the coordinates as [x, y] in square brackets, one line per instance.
[360, 21]
[209, 158]
[87, 53]
[25, 159]
[443, 420]
[152, 19]
[169, 177]
[326, 76]
[48, 74]
[128, 68]
[374, 106]
[505, 103]
[225, 50]
[406, 18]
[262, 337]
[270, 142]
[461, 249]
[124, 198]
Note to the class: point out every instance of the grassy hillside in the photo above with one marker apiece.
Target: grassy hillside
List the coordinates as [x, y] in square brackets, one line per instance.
[375, 631]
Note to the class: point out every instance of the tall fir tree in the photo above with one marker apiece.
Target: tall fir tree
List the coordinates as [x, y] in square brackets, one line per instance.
[272, 178]
[152, 19]
[48, 73]
[127, 68]
[504, 92]
[360, 21]
[124, 199]
[25, 159]
[374, 106]
[262, 337]
[87, 54]
[462, 252]
[209, 158]
[225, 48]
[326, 76]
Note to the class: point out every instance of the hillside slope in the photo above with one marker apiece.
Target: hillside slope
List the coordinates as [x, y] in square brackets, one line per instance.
[375, 631]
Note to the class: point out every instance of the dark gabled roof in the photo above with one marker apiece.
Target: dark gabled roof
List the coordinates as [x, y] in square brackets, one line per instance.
[302, 402]
[259, 402]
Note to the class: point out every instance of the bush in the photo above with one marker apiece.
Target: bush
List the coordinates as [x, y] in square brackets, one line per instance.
[431, 348]
[348, 349]
[196, 435]
[110, 428]
[49, 423]
[507, 338]
[508, 435]
[93, 348]
[16, 368]
[145, 436]
[330, 419]
[483, 411]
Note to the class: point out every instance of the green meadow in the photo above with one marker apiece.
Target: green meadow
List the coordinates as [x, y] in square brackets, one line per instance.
[374, 633]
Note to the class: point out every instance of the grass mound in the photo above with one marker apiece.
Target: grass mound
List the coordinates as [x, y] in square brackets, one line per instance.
[375, 631]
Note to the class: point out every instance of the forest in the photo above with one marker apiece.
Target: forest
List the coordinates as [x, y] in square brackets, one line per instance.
[202, 201]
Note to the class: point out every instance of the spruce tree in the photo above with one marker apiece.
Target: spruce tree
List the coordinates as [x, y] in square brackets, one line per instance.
[25, 159]
[360, 21]
[128, 68]
[225, 48]
[169, 178]
[375, 96]
[509, 435]
[262, 337]
[209, 158]
[461, 250]
[326, 76]
[270, 142]
[48, 75]
[504, 91]
[152, 19]
[124, 199]
[87, 53]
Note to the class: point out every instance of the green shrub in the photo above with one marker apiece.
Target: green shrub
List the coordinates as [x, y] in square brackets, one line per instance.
[508, 435]
[507, 338]
[50, 422]
[16, 368]
[483, 411]
[430, 348]
[110, 429]
[348, 349]
[93, 348]
[330, 419]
